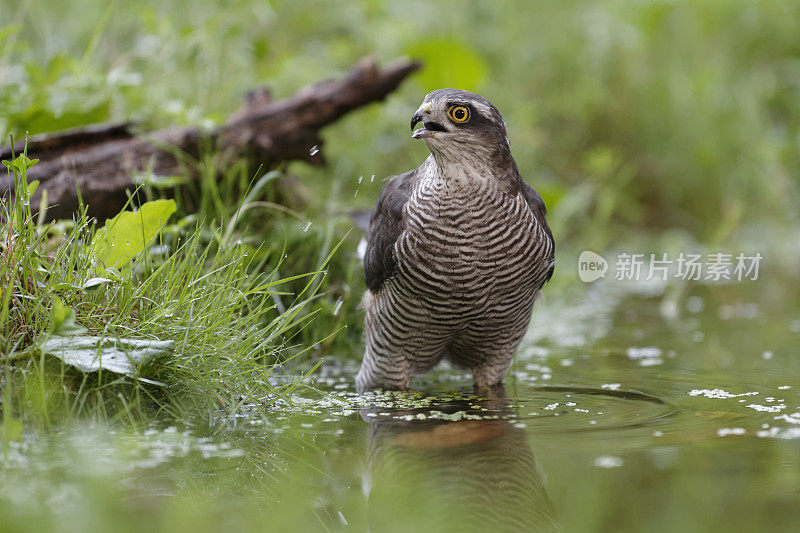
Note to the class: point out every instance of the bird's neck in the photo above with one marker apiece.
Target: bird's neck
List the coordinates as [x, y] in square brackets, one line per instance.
[468, 166]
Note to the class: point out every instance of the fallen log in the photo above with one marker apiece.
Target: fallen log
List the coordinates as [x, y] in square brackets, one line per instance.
[102, 160]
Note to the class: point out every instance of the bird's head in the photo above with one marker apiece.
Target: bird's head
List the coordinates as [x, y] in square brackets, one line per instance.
[452, 118]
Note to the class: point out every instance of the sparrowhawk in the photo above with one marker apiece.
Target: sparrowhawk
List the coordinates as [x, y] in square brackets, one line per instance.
[457, 250]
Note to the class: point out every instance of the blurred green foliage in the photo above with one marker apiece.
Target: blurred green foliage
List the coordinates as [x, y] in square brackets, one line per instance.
[448, 63]
[659, 114]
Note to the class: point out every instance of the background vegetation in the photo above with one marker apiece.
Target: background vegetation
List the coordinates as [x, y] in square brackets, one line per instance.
[685, 112]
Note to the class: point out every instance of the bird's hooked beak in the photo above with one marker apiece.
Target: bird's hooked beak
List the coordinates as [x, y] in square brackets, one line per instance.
[423, 114]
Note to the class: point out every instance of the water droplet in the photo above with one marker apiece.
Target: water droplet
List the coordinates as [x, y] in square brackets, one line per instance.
[308, 225]
[356, 194]
[371, 179]
[314, 150]
[608, 461]
[337, 306]
[360, 179]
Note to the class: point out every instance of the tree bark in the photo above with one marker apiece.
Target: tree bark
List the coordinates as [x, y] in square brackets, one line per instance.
[101, 161]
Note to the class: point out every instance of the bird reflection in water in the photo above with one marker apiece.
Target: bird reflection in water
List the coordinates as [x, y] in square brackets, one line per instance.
[453, 475]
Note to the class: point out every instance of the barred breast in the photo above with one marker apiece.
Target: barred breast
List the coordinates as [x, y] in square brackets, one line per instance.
[470, 263]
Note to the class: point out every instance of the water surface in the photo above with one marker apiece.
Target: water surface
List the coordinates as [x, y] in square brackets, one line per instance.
[623, 411]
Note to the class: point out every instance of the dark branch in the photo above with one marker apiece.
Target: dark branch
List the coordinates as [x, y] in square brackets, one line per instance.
[102, 159]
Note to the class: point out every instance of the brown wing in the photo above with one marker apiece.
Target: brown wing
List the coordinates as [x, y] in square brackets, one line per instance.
[385, 226]
[539, 210]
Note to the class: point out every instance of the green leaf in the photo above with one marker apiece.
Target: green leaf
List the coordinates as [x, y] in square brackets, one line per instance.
[448, 63]
[20, 164]
[63, 319]
[127, 234]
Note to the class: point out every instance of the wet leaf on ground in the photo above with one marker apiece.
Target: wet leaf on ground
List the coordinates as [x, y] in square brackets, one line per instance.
[92, 354]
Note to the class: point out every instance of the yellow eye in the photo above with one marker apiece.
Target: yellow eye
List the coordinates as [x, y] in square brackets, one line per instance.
[458, 113]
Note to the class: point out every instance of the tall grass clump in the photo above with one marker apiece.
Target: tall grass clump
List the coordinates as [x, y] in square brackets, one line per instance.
[219, 302]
